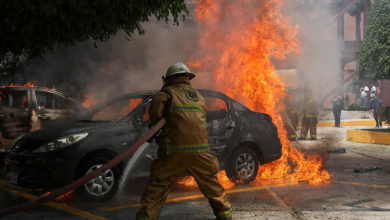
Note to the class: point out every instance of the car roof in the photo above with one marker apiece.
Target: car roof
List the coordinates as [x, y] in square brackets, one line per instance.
[146, 93]
[138, 94]
[212, 93]
[41, 89]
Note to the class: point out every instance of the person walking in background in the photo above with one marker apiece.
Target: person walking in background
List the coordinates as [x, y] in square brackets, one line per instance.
[338, 105]
[372, 91]
[375, 104]
[364, 90]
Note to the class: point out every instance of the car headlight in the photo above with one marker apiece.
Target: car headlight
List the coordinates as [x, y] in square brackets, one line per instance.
[61, 143]
[16, 140]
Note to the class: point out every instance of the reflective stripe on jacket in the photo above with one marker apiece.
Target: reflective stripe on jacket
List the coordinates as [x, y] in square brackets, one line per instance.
[310, 108]
[185, 111]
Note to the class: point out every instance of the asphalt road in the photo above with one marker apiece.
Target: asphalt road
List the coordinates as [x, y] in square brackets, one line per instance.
[360, 190]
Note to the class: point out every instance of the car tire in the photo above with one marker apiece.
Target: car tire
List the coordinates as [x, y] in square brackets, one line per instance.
[102, 187]
[243, 165]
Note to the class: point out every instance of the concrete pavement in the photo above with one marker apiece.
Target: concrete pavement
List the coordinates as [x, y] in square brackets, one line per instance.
[359, 190]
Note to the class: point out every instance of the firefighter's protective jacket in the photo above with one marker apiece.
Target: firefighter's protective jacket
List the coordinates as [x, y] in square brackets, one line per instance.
[185, 111]
[310, 108]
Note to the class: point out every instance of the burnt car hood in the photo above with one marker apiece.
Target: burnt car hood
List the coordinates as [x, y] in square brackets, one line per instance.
[34, 139]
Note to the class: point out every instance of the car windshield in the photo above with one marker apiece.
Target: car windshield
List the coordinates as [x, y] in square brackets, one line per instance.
[116, 109]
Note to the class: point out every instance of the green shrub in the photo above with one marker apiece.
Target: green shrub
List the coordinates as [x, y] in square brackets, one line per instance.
[353, 107]
[384, 114]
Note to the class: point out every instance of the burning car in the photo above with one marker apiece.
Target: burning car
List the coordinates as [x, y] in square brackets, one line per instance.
[27, 108]
[240, 138]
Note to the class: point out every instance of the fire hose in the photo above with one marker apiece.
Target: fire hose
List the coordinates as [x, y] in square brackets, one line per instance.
[119, 158]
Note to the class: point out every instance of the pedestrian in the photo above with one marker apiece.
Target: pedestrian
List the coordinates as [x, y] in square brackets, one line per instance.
[183, 146]
[309, 119]
[372, 91]
[337, 106]
[375, 105]
[364, 90]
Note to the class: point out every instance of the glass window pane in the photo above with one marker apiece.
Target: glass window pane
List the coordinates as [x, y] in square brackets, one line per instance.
[117, 110]
[14, 99]
[216, 108]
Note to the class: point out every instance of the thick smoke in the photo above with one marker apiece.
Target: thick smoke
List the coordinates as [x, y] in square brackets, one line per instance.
[320, 58]
[120, 66]
[116, 66]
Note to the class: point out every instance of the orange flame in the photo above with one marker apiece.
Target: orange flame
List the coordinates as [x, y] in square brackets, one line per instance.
[28, 84]
[190, 182]
[237, 40]
[133, 103]
[89, 101]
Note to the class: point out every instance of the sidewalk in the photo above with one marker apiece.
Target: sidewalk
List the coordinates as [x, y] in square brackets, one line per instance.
[348, 118]
[359, 126]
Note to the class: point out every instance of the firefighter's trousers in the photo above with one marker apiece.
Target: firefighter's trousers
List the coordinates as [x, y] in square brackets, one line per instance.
[291, 127]
[164, 171]
[309, 123]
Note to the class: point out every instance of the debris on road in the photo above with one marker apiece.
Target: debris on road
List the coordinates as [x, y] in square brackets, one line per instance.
[303, 182]
[364, 170]
[337, 151]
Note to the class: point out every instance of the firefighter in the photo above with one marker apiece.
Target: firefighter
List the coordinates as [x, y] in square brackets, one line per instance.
[183, 146]
[291, 120]
[309, 119]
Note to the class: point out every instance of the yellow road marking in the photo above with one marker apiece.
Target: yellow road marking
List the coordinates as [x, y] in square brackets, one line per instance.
[363, 184]
[81, 213]
[283, 204]
[247, 189]
[196, 196]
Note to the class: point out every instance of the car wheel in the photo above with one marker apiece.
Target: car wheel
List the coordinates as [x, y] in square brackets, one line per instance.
[102, 187]
[243, 165]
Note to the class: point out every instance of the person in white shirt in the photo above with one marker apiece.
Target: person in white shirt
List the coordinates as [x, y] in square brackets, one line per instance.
[375, 105]
[364, 97]
[372, 91]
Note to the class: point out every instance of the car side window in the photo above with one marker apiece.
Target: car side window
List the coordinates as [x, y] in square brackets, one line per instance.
[117, 110]
[216, 108]
[62, 103]
[48, 100]
[146, 117]
[14, 99]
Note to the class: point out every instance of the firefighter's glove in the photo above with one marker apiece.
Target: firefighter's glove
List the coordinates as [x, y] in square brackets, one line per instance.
[154, 137]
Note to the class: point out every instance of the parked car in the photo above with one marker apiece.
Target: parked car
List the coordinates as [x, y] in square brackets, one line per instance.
[238, 137]
[26, 108]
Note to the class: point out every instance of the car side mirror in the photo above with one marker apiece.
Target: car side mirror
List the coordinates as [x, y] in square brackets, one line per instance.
[138, 122]
[230, 124]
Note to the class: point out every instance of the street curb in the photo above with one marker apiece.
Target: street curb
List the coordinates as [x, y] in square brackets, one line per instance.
[347, 123]
[373, 137]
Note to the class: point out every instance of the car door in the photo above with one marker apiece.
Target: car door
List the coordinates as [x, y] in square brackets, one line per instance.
[148, 152]
[15, 113]
[115, 112]
[50, 106]
[220, 124]
[133, 112]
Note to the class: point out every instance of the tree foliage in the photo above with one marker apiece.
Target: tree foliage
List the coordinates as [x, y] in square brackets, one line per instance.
[31, 27]
[374, 60]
